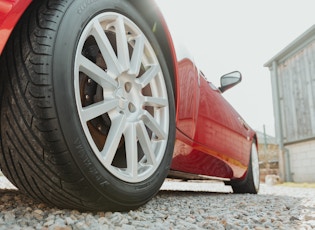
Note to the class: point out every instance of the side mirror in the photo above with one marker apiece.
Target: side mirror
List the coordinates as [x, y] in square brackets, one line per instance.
[229, 80]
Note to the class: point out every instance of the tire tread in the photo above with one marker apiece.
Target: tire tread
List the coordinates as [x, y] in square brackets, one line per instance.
[34, 156]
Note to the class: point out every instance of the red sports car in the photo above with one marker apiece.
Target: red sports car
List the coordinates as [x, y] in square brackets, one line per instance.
[97, 108]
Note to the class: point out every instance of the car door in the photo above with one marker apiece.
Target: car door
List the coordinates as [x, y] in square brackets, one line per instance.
[221, 129]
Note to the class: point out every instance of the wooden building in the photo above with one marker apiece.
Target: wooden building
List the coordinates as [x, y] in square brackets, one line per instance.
[293, 87]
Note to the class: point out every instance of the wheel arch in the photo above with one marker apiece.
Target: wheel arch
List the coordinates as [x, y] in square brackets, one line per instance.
[254, 139]
[153, 16]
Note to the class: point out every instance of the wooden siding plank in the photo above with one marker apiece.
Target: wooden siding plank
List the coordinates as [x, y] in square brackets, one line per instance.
[310, 74]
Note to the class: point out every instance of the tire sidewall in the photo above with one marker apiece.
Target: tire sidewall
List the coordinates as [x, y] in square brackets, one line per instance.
[247, 185]
[78, 14]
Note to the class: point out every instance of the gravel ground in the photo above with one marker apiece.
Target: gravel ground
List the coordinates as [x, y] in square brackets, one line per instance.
[179, 205]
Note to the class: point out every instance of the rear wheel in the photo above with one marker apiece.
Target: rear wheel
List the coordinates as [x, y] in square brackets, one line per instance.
[88, 113]
[251, 182]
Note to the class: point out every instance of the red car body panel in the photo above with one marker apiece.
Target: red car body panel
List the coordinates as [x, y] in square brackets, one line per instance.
[10, 13]
[211, 138]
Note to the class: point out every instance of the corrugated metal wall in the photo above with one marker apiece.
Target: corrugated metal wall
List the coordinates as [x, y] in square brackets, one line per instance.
[297, 94]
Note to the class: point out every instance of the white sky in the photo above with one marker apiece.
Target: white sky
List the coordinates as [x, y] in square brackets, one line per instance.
[228, 35]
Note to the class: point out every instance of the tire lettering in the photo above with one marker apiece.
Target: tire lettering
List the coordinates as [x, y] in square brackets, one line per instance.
[77, 144]
[85, 5]
[140, 187]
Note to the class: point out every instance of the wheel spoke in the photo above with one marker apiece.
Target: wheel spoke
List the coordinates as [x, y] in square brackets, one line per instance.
[113, 139]
[122, 44]
[155, 102]
[131, 150]
[95, 72]
[137, 54]
[97, 109]
[146, 144]
[147, 77]
[151, 123]
[106, 49]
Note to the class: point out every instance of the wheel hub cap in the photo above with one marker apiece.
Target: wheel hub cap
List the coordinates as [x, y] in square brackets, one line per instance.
[121, 97]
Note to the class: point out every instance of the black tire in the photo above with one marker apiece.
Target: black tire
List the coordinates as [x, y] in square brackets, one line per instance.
[251, 182]
[47, 152]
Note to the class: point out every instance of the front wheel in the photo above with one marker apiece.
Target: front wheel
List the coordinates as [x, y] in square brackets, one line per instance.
[88, 115]
[251, 182]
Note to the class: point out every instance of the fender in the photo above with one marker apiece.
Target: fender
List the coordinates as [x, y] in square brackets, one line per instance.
[10, 13]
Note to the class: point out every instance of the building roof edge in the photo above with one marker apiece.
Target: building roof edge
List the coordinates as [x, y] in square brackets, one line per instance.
[301, 41]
